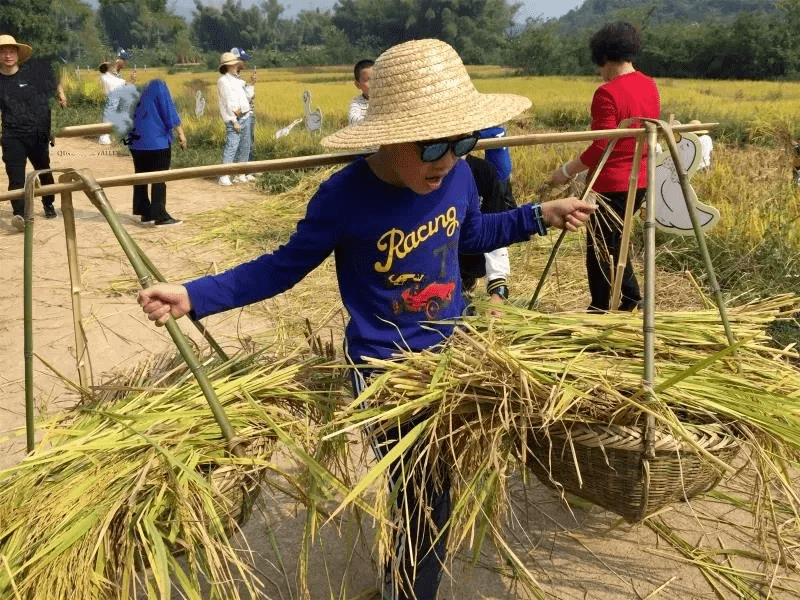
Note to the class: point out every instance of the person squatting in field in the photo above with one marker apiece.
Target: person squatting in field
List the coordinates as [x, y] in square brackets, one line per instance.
[395, 222]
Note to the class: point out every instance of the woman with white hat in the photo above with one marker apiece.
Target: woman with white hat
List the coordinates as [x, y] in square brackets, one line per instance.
[25, 96]
[234, 108]
[395, 222]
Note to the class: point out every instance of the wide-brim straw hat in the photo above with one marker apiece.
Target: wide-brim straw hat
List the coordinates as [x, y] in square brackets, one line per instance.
[702, 131]
[23, 50]
[228, 58]
[420, 90]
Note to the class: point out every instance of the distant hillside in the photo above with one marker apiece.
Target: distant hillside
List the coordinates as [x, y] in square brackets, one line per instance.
[593, 14]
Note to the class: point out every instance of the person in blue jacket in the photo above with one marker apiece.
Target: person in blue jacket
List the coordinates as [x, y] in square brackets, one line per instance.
[150, 141]
[395, 222]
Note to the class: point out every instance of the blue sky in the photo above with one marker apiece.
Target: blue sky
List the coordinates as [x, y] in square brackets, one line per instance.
[530, 8]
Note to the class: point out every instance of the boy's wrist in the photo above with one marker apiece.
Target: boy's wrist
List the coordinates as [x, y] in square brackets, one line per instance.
[540, 223]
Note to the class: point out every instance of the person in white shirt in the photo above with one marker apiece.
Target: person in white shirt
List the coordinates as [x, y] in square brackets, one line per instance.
[110, 79]
[250, 92]
[358, 105]
[234, 108]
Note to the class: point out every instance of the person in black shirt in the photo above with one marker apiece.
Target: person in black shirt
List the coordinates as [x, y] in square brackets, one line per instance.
[493, 265]
[26, 89]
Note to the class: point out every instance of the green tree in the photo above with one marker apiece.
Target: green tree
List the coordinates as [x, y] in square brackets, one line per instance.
[476, 28]
[34, 22]
[220, 30]
[83, 39]
[139, 23]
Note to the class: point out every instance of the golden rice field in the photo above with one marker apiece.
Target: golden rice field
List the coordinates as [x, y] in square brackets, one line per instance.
[278, 94]
[749, 183]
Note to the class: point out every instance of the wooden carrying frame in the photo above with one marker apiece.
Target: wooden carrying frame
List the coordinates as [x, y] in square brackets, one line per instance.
[645, 450]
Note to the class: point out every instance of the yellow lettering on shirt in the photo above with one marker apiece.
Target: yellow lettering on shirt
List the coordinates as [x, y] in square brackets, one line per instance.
[398, 244]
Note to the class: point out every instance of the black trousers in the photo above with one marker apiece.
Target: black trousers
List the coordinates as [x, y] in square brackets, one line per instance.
[422, 508]
[154, 206]
[17, 151]
[603, 242]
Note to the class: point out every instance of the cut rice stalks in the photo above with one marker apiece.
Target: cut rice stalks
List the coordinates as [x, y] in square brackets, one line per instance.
[499, 382]
[135, 491]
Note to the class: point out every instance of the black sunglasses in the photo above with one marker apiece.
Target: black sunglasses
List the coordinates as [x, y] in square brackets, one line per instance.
[436, 149]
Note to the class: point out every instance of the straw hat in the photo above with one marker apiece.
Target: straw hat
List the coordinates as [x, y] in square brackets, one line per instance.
[420, 90]
[23, 50]
[228, 58]
[696, 122]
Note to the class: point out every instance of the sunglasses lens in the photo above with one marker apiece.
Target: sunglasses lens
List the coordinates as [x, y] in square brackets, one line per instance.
[434, 151]
[464, 145]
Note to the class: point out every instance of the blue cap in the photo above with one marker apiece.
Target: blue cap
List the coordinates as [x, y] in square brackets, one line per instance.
[124, 54]
[240, 53]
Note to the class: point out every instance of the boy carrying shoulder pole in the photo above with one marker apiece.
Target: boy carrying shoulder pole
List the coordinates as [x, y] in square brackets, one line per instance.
[395, 221]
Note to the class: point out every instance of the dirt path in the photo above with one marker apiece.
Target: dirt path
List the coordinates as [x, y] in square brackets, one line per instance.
[580, 553]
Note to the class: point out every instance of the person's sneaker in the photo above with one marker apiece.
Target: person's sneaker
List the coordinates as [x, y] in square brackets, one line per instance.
[168, 221]
[146, 219]
[18, 221]
[49, 211]
[225, 180]
[250, 177]
[240, 179]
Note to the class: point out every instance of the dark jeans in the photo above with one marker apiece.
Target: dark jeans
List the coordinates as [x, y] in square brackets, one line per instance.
[602, 242]
[415, 568]
[154, 207]
[17, 150]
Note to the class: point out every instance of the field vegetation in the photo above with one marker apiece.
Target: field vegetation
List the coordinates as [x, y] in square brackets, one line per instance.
[755, 247]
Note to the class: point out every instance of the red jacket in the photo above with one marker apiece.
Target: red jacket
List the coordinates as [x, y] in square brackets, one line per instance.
[630, 95]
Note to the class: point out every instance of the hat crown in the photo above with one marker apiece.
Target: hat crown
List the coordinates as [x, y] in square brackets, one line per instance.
[419, 75]
[24, 51]
[420, 90]
[228, 58]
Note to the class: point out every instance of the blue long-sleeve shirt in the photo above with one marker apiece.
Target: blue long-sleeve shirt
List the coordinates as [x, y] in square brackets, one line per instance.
[154, 119]
[396, 255]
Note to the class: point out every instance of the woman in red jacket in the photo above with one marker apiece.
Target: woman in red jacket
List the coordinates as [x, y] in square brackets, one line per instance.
[626, 93]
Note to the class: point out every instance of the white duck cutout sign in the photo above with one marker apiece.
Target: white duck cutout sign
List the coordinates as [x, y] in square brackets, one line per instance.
[313, 118]
[672, 216]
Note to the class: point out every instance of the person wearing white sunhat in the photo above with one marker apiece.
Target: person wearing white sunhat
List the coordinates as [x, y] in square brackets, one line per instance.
[395, 222]
[26, 92]
[250, 92]
[234, 108]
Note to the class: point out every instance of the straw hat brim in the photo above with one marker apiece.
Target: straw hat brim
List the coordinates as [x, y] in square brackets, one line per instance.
[479, 112]
[24, 51]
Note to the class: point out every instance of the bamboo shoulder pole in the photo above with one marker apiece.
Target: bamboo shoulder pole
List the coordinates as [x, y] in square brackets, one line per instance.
[325, 160]
[698, 230]
[627, 225]
[76, 288]
[99, 200]
[85, 130]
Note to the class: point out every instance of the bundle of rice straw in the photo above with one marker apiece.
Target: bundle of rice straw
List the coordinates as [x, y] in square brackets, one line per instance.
[475, 403]
[124, 485]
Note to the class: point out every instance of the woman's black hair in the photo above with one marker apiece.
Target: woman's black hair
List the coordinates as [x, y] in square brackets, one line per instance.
[103, 68]
[616, 42]
[223, 69]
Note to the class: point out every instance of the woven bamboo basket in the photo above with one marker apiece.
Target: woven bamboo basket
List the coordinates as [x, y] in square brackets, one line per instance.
[607, 464]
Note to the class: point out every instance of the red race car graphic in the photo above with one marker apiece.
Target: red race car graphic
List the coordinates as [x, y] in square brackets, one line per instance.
[430, 299]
